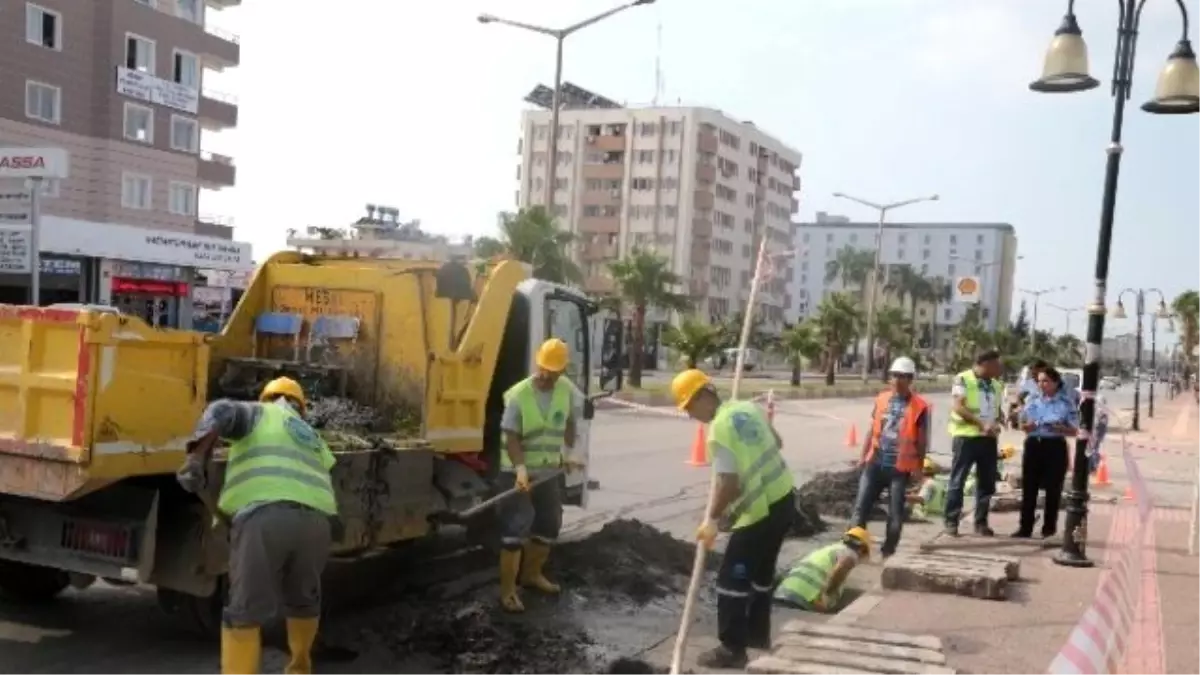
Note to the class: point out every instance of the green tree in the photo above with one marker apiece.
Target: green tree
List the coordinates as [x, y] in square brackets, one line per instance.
[1186, 307]
[838, 319]
[695, 340]
[852, 267]
[1068, 351]
[644, 280]
[533, 236]
[892, 333]
[800, 343]
[970, 337]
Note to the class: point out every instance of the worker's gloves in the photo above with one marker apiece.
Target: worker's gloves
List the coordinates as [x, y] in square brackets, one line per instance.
[522, 478]
[191, 474]
[707, 533]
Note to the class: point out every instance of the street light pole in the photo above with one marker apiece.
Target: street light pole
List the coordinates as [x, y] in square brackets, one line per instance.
[1177, 92]
[559, 35]
[875, 280]
[1139, 307]
[1068, 311]
[1037, 297]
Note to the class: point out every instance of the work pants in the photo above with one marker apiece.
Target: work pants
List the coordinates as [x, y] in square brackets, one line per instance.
[980, 453]
[1043, 467]
[536, 514]
[746, 579]
[277, 553]
[875, 477]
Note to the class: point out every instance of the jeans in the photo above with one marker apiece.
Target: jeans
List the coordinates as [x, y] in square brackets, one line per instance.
[875, 477]
[981, 453]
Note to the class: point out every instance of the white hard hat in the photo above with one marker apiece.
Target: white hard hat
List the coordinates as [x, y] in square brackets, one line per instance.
[903, 366]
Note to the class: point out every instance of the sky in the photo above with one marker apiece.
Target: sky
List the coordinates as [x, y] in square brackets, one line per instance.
[417, 106]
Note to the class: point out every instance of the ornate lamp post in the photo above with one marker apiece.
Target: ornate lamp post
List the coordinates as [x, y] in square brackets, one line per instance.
[1140, 311]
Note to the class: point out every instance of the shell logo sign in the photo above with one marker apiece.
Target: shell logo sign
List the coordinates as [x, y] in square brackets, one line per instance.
[967, 289]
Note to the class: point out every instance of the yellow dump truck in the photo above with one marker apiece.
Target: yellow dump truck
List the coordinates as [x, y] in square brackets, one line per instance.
[96, 408]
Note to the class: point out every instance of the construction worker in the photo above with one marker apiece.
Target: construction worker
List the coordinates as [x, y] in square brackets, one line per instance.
[893, 451]
[753, 494]
[539, 420]
[815, 583]
[974, 431]
[930, 498]
[278, 498]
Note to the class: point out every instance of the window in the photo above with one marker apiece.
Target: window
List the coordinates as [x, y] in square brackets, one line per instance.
[928, 238]
[946, 314]
[978, 254]
[902, 238]
[953, 239]
[642, 184]
[804, 238]
[186, 69]
[43, 102]
[139, 53]
[924, 269]
[43, 27]
[190, 10]
[185, 134]
[853, 238]
[925, 254]
[950, 269]
[672, 128]
[900, 254]
[979, 239]
[139, 123]
[135, 191]
[183, 199]
[645, 156]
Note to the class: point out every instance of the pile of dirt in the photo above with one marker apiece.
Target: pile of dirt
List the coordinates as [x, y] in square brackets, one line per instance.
[343, 414]
[628, 559]
[832, 492]
[807, 521]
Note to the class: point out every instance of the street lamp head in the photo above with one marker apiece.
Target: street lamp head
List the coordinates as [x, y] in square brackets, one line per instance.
[1119, 312]
[1066, 65]
[934, 198]
[1178, 88]
[1163, 312]
[638, 3]
[485, 18]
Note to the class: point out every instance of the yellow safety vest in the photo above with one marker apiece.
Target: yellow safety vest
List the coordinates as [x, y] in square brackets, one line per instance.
[742, 427]
[283, 459]
[804, 582]
[960, 427]
[542, 435]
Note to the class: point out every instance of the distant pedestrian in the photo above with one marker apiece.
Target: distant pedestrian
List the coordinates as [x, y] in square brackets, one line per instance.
[1049, 419]
[974, 430]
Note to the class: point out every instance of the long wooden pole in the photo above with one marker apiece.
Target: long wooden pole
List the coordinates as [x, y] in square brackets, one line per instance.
[689, 603]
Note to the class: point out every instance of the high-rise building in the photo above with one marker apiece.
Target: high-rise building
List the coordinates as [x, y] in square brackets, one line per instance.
[984, 252]
[695, 185]
[119, 85]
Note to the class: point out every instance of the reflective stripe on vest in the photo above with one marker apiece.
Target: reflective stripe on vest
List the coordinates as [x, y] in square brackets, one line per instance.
[742, 427]
[907, 456]
[542, 435]
[937, 502]
[804, 582]
[960, 427]
[282, 459]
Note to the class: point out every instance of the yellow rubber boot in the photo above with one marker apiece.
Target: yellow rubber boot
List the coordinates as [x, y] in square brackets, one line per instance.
[301, 634]
[510, 567]
[532, 573]
[241, 650]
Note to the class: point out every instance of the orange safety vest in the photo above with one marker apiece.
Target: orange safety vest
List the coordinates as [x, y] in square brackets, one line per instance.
[908, 459]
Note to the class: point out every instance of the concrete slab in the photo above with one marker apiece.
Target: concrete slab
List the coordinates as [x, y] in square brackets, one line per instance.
[936, 573]
[803, 647]
[800, 627]
[1012, 564]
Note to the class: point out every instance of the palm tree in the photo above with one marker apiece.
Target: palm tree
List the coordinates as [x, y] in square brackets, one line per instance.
[970, 336]
[1186, 307]
[533, 236]
[938, 291]
[852, 266]
[838, 319]
[906, 284]
[645, 280]
[800, 343]
[694, 339]
[893, 333]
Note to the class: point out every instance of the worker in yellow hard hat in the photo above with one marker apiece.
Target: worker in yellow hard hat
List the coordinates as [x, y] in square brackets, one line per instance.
[278, 499]
[930, 499]
[754, 494]
[816, 582]
[539, 437]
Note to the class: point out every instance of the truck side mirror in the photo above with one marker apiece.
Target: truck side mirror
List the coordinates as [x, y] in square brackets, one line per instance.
[612, 377]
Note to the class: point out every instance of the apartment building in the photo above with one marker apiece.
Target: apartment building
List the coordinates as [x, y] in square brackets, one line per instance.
[119, 85]
[953, 251]
[694, 184]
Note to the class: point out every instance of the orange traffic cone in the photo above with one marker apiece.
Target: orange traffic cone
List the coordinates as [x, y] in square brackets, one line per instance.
[699, 453]
[852, 436]
[1128, 496]
[1101, 479]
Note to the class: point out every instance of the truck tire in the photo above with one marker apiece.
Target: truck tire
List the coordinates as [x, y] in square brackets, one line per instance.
[200, 615]
[25, 583]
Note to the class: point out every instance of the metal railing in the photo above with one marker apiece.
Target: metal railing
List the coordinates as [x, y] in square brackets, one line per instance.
[219, 96]
[214, 157]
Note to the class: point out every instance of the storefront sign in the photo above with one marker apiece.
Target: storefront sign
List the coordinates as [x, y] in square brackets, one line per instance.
[14, 250]
[62, 267]
[33, 162]
[146, 87]
[136, 270]
[138, 244]
[149, 287]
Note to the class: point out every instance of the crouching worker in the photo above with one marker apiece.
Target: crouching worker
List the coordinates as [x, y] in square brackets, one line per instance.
[754, 494]
[815, 584]
[929, 501]
[278, 498]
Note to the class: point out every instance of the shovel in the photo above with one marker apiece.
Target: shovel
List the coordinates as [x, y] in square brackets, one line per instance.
[459, 517]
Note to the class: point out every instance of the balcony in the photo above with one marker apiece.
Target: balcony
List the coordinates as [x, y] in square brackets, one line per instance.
[223, 4]
[605, 143]
[210, 225]
[601, 197]
[220, 49]
[795, 206]
[706, 141]
[698, 288]
[600, 225]
[703, 199]
[217, 111]
[702, 227]
[215, 171]
[706, 174]
[614, 170]
[596, 251]
[795, 182]
[701, 255]
[599, 285]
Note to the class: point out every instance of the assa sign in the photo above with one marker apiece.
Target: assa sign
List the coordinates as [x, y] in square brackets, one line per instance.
[33, 163]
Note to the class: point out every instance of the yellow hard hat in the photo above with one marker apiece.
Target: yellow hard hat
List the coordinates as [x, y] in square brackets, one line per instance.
[859, 537]
[1008, 452]
[686, 385]
[553, 355]
[930, 466]
[283, 386]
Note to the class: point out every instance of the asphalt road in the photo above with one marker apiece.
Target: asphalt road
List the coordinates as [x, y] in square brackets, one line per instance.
[639, 459]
